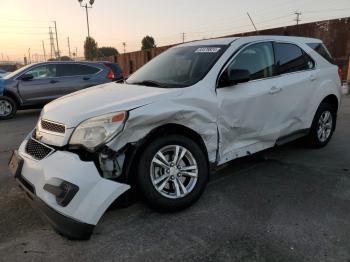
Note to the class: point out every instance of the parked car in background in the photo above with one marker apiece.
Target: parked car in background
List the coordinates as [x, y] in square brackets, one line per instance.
[2, 73]
[196, 106]
[117, 71]
[37, 84]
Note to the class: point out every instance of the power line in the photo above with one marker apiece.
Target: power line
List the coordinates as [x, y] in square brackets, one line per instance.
[325, 10]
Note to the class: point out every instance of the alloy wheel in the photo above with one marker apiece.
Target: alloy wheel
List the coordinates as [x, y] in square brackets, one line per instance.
[325, 125]
[5, 108]
[174, 171]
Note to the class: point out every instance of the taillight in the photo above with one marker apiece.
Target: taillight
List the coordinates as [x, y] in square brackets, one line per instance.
[125, 75]
[340, 73]
[110, 75]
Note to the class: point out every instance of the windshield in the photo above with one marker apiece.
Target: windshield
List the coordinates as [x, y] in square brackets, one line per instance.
[178, 67]
[10, 75]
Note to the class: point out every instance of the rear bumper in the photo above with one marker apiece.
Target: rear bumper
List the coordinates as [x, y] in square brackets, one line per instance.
[64, 225]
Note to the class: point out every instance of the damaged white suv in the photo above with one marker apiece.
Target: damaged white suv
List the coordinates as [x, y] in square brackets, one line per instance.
[192, 108]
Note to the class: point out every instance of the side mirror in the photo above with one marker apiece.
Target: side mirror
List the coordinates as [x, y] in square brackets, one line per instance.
[233, 77]
[26, 77]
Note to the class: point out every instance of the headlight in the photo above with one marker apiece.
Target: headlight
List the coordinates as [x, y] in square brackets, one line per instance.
[95, 131]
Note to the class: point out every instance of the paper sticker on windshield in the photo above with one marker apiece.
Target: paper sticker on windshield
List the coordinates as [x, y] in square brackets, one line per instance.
[208, 50]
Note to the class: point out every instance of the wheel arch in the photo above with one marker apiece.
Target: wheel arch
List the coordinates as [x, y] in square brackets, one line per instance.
[13, 96]
[331, 100]
[133, 151]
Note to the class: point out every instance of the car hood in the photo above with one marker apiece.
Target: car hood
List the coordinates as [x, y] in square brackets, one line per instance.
[74, 108]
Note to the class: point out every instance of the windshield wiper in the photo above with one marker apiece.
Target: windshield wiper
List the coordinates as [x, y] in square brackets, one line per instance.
[148, 83]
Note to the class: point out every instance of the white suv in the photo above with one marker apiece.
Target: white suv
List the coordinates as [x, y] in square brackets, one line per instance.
[188, 111]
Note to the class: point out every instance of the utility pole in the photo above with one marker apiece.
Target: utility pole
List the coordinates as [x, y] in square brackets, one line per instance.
[52, 44]
[251, 20]
[183, 37]
[86, 6]
[76, 53]
[58, 49]
[87, 20]
[124, 45]
[69, 47]
[297, 19]
[29, 56]
[44, 50]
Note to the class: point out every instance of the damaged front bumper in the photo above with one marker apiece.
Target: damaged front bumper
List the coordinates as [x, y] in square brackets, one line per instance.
[68, 191]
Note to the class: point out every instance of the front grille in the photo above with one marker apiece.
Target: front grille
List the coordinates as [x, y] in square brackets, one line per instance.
[37, 150]
[54, 127]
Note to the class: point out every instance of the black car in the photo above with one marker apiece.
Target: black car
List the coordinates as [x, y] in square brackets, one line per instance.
[37, 84]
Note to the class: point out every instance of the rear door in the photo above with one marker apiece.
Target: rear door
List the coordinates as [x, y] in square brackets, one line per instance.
[42, 88]
[297, 79]
[75, 76]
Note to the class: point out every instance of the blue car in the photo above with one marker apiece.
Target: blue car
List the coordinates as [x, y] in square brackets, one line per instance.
[35, 85]
[2, 73]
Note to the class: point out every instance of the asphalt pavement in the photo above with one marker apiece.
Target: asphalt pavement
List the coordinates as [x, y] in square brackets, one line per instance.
[289, 203]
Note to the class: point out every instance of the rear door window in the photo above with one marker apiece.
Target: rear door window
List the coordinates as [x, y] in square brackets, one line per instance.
[322, 51]
[76, 70]
[291, 58]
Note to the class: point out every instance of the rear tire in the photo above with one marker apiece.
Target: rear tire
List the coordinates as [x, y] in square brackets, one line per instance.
[323, 126]
[172, 173]
[8, 108]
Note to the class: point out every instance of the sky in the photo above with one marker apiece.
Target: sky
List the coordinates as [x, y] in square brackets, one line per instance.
[25, 24]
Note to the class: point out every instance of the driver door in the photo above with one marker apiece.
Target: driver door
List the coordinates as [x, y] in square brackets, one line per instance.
[42, 88]
[247, 114]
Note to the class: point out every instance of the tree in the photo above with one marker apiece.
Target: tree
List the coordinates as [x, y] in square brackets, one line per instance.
[65, 58]
[107, 51]
[90, 48]
[62, 58]
[148, 42]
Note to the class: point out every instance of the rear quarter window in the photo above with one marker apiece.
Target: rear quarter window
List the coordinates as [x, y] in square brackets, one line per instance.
[76, 70]
[291, 58]
[322, 51]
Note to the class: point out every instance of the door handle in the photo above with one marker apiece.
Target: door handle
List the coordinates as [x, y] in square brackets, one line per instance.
[53, 81]
[86, 78]
[275, 90]
[313, 77]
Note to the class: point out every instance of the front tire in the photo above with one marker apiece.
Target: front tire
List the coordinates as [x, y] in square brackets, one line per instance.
[323, 126]
[172, 173]
[8, 108]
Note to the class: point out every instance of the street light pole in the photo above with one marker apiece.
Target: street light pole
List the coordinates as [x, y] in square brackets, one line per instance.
[86, 6]
[87, 19]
